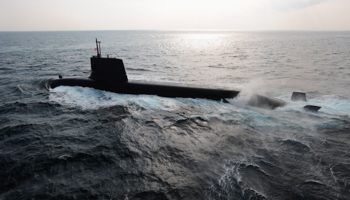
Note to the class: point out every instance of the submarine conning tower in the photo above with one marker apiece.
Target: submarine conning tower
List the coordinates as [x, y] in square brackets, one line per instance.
[107, 69]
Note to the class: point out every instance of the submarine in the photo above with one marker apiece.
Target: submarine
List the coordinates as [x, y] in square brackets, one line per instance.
[108, 74]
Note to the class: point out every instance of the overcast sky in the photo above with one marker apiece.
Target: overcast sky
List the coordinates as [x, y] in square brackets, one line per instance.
[239, 15]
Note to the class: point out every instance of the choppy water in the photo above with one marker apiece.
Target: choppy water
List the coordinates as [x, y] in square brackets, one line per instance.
[81, 143]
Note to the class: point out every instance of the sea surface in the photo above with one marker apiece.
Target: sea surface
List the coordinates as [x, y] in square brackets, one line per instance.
[82, 143]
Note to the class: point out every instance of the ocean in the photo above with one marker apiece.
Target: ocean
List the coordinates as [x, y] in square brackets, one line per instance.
[82, 143]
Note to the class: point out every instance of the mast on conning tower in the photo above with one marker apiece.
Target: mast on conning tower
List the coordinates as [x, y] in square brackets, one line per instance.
[107, 69]
[98, 47]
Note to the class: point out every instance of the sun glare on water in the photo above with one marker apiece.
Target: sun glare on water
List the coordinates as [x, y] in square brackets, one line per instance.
[202, 41]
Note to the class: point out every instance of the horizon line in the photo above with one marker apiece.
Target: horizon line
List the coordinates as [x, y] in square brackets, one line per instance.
[182, 30]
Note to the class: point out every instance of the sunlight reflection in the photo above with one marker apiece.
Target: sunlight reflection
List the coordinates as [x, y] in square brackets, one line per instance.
[203, 41]
[204, 36]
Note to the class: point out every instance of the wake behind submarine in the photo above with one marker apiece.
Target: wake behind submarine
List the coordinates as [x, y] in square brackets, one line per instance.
[109, 74]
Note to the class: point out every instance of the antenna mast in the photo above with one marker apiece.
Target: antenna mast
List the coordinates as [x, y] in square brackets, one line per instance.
[98, 46]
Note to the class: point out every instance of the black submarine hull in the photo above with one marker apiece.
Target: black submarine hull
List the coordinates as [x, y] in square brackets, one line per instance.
[172, 91]
[135, 87]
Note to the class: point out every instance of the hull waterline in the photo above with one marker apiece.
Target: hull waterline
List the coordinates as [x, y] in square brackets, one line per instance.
[171, 91]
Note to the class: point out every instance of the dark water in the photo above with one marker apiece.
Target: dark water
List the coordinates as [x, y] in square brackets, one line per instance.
[80, 143]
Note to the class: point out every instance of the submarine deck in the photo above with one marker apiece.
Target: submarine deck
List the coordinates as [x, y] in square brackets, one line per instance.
[148, 88]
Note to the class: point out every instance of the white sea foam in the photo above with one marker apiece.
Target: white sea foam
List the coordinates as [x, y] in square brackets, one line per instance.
[332, 105]
[91, 99]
